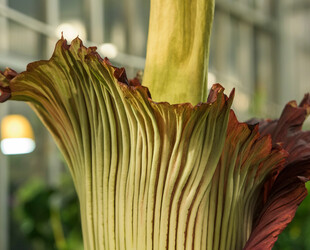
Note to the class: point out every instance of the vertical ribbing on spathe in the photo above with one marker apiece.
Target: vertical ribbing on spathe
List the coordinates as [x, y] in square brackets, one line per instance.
[148, 175]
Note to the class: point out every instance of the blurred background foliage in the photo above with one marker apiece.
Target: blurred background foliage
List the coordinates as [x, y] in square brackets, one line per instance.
[47, 218]
[260, 47]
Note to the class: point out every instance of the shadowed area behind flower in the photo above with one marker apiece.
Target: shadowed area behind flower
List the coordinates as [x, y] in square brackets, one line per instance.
[164, 176]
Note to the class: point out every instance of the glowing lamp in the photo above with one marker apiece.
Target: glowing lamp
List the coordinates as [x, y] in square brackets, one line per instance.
[16, 135]
[71, 30]
[108, 50]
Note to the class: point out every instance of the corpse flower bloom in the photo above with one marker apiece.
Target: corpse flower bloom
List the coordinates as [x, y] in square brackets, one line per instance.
[152, 175]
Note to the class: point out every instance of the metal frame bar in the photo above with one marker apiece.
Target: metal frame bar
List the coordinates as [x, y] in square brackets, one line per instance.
[298, 6]
[96, 20]
[27, 21]
[284, 88]
[49, 31]
[4, 194]
[247, 14]
[4, 168]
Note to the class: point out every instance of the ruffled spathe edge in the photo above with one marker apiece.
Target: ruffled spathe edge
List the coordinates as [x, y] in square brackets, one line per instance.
[9, 78]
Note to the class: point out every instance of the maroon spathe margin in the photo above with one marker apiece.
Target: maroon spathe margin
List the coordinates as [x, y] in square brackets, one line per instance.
[5, 91]
[5, 77]
[283, 194]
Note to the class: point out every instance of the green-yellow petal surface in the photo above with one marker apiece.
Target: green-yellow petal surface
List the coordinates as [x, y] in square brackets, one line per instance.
[148, 175]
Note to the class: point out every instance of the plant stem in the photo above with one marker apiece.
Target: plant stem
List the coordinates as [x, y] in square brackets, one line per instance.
[177, 57]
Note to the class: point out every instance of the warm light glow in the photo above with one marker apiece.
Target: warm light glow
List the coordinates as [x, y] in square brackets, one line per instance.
[15, 146]
[211, 79]
[16, 135]
[242, 103]
[108, 50]
[71, 30]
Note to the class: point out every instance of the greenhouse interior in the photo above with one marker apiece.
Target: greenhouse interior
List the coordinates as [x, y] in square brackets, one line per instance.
[259, 47]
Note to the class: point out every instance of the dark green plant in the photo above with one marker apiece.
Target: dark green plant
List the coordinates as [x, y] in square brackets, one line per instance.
[49, 217]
